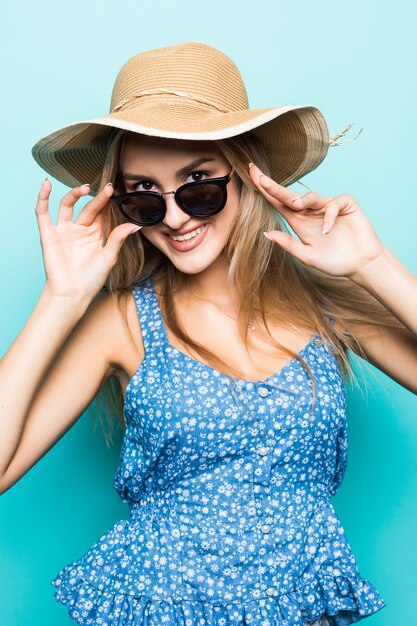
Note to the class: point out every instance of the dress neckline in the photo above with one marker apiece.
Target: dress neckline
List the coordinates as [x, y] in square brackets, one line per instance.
[271, 379]
[265, 381]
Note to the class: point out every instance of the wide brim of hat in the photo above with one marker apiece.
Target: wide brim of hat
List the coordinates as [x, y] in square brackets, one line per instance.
[295, 138]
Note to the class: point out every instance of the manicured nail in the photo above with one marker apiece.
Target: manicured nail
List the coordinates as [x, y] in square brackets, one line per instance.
[268, 237]
[325, 228]
[250, 165]
[85, 185]
[135, 230]
[109, 185]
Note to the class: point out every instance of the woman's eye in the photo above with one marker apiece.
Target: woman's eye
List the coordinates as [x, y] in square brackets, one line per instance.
[196, 176]
[192, 177]
[146, 185]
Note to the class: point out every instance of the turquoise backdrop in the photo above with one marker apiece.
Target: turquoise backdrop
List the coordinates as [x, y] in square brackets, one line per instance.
[356, 61]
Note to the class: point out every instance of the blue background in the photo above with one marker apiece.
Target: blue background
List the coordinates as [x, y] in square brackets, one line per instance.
[356, 62]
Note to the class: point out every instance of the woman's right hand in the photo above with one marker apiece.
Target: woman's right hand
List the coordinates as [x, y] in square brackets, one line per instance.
[76, 262]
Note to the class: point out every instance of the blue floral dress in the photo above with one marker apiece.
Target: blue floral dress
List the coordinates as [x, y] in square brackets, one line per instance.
[228, 484]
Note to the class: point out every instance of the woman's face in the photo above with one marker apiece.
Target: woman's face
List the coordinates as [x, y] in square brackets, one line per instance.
[164, 165]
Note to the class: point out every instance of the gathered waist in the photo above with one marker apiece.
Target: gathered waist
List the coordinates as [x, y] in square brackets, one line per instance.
[197, 550]
[183, 495]
[204, 541]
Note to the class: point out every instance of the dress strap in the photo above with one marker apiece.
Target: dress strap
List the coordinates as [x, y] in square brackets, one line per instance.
[150, 316]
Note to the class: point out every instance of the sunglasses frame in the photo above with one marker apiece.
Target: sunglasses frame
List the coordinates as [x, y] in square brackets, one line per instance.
[221, 182]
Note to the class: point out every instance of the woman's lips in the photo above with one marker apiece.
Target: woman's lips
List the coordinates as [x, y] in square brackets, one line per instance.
[188, 244]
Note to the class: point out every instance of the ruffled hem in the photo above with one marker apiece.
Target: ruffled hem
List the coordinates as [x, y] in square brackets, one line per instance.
[342, 599]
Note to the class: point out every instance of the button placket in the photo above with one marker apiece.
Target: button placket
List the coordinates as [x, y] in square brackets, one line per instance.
[263, 450]
[271, 591]
[261, 418]
[263, 464]
[255, 397]
[262, 469]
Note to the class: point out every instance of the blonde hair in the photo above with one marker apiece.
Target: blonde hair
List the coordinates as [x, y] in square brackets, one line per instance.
[270, 282]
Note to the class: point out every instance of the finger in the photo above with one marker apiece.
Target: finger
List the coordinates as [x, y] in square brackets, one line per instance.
[116, 239]
[332, 210]
[66, 206]
[89, 213]
[291, 245]
[311, 200]
[42, 206]
[278, 192]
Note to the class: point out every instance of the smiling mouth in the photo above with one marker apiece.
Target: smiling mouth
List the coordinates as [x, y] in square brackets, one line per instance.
[187, 236]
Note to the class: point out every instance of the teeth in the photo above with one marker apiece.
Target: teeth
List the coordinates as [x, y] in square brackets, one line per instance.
[187, 236]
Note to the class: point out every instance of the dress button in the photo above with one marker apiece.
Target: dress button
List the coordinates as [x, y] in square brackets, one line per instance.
[263, 450]
[317, 341]
[271, 591]
[265, 528]
[263, 392]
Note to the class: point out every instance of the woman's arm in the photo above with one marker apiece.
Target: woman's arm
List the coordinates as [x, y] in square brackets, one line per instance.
[66, 349]
[51, 374]
[388, 280]
[25, 363]
[392, 350]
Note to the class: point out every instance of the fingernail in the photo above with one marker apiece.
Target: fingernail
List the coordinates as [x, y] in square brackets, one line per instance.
[135, 230]
[85, 185]
[268, 237]
[250, 165]
[295, 200]
[325, 228]
[109, 185]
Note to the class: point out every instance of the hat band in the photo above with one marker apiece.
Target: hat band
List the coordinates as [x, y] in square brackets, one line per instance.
[182, 94]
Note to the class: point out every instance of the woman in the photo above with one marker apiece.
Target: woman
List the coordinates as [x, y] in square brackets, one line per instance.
[228, 340]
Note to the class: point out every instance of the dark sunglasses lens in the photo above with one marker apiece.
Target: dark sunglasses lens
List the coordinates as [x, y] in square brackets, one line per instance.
[146, 209]
[203, 200]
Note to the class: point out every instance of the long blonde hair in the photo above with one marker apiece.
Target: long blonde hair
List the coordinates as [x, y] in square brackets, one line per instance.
[269, 280]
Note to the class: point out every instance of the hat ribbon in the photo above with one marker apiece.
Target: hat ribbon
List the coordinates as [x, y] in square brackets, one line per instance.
[182, 94]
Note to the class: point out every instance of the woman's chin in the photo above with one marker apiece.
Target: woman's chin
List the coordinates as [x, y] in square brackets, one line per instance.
[193, 262]
[194, 266]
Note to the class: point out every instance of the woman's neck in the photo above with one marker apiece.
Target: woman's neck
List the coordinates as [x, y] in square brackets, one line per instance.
[212, 284]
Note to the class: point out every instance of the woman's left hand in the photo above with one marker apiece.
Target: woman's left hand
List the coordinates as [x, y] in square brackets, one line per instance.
[350, 241]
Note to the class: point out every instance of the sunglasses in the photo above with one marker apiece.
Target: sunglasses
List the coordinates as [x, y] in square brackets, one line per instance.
[198, 199]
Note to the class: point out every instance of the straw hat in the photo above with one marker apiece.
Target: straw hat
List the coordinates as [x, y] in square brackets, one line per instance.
[185, 91]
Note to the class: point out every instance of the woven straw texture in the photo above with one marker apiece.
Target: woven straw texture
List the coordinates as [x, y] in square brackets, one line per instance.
[188, 91]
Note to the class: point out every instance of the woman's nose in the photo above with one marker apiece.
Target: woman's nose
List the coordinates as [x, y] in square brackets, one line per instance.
[174, 218]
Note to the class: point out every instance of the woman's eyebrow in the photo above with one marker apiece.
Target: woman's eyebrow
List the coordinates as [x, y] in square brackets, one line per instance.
[183, 170]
